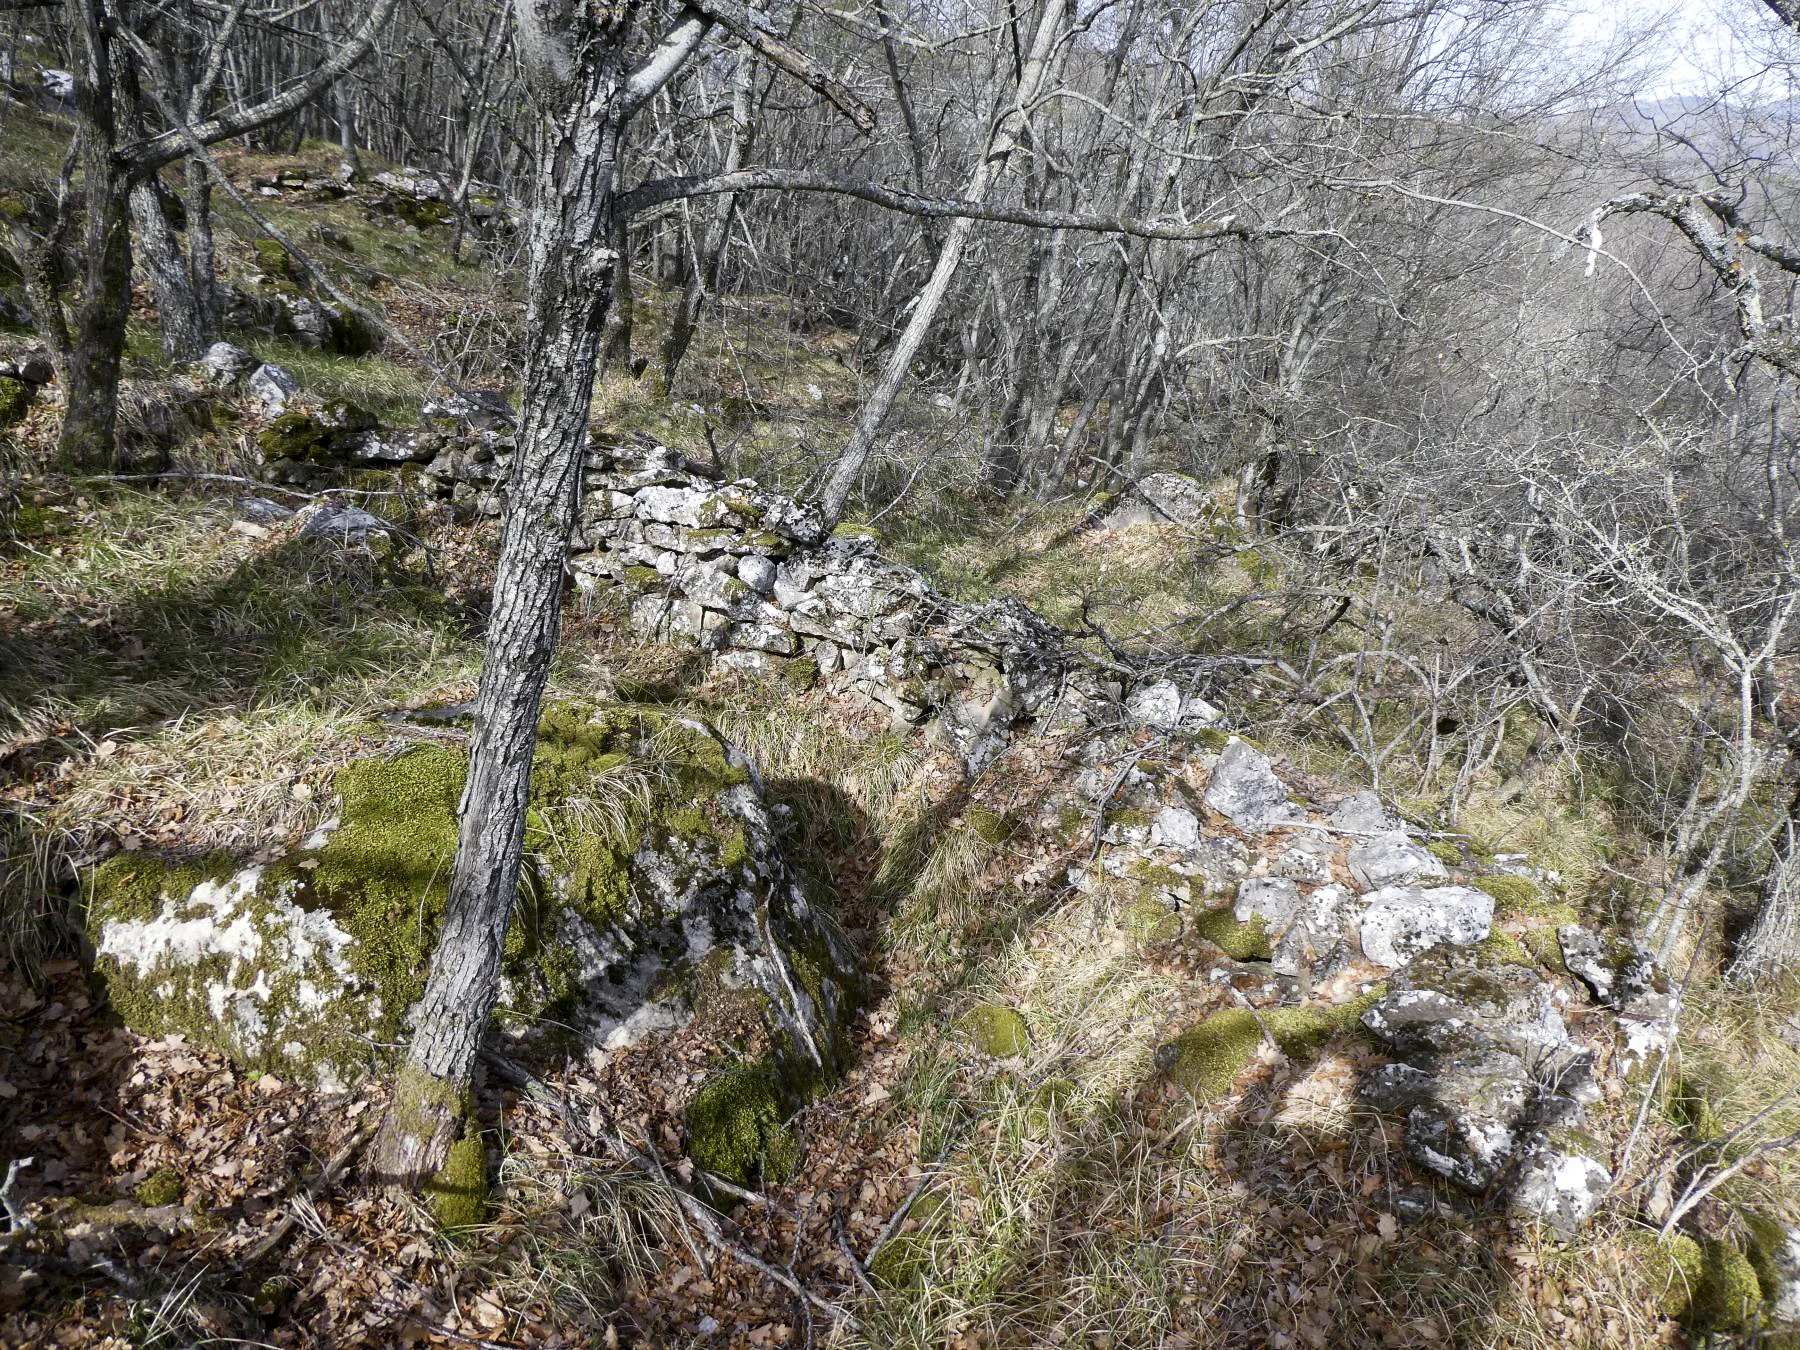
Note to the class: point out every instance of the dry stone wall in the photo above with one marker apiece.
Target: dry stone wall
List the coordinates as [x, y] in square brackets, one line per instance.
[756, 579]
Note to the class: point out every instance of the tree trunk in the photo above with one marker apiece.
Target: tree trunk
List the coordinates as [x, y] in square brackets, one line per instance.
[91, 402]
[202, 269]
[1006, 135]
[177, 314]
[569, 291]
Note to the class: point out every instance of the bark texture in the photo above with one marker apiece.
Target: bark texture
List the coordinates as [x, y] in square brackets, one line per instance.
[570, 283]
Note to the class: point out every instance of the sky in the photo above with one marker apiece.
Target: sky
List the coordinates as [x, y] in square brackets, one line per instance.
[1701, 45]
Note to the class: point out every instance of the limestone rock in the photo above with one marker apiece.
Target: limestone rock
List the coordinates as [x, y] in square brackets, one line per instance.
[1396, 923]
[1245, 790]
[224, 364]
[1617, 970]
[1176, 827]
[1561, 1187]
[271, 387]
[1159, 499]
[303, 965]
[1487, 1075]
[341, 524]
[1392, 859]
[1164, 707]
[1274, 900]
[1364, 813]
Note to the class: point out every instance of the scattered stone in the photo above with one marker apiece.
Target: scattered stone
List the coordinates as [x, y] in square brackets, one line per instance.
[1391, 860]
[1244, 789]
[1176, 827]
[1396, 923]
[224, 365]
[342, 524]
[1274, 900]
[259, 511]
[28, 368]
[300, 965]
[271, 387]
[1363, 813]
[1164, 707]
[1560, 1188]
[1617, 970]
[1488, 1077]
[1159, 499]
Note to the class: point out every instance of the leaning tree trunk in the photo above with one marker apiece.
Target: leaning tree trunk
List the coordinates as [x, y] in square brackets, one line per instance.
[1769, 950]
[1007, 131]
[569, 288]
[178, 319]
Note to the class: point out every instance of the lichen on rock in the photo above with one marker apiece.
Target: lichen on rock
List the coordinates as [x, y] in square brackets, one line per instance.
[649, 854]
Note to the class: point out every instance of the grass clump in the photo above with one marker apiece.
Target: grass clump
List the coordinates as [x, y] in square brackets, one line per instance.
[995, 1030]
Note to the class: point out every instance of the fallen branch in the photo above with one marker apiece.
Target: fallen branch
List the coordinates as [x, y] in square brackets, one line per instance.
[334, 1171]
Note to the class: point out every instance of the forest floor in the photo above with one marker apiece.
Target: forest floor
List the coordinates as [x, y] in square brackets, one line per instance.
[169, 681]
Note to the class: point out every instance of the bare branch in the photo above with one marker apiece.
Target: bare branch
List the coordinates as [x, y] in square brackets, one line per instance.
[753, 34]
[661, 190]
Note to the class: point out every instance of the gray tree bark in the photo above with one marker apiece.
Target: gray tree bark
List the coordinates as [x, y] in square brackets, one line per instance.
[585, 98]
[1769, 950]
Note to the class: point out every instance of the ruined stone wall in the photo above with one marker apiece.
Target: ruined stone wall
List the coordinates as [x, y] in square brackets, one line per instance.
[756, 579]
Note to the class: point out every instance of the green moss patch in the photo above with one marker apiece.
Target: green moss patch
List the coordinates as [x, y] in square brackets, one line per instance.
[1148, 921]
[1205, 1061]
[995, 1030]
[15, 399]
[1240, 941]
[1513, 894]
[1674, 1268]
[161, 1187]
[736, 1126]
[457, 1195]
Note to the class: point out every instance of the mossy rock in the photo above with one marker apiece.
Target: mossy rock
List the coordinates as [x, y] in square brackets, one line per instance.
[350, 334]
[458, 1194]
[1513, 894]
[1240, 941]
[422, 215]
[995, 1030]
[1445, 852]
[1729, 1293]
[801, 674]
[1149, 922]
[1499, 948]
[737, 1127]
[1545, 947]
[303, 966]
[1205, 1060]
[1674, 1268]
[15, 400]
[301, 438]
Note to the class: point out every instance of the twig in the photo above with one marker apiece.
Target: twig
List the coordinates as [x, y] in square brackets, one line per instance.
[340, 1162]
[17, 1219]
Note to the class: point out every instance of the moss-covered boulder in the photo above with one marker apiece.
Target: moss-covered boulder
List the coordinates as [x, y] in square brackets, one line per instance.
[652, 882]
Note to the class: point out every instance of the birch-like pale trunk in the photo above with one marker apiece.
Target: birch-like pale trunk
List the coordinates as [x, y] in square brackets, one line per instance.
[1001, 143]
